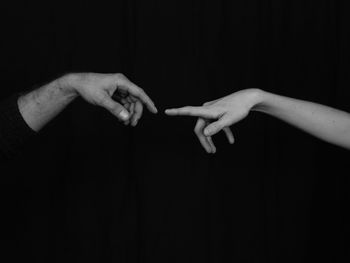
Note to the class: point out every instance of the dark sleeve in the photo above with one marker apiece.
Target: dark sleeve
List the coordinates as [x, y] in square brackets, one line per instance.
[14, 131]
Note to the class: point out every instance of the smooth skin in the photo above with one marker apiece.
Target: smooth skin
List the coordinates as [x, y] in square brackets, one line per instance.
[114, 92]
[323, 122]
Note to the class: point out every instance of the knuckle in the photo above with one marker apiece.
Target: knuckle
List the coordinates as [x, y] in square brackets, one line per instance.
[141, 90]
[120, 75]
[213, 126]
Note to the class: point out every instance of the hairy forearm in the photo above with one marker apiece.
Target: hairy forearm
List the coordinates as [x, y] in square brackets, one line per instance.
[40, 106]
[323, 122]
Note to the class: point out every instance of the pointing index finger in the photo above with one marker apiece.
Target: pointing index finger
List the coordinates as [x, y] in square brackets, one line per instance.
[191, 111]
[138, 93]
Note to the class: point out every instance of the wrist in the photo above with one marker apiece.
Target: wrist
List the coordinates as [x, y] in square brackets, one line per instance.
[67, 86]
[257, 98]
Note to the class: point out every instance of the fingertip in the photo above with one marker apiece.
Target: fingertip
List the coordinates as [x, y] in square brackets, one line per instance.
[169, 111]
[231, 139]
[151, 107]
[124, 115]
[207, 132]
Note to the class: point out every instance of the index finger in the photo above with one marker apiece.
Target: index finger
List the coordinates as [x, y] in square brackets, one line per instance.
[191, 111]
[137, 92]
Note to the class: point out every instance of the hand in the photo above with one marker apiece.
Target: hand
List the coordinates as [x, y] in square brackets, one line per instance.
[114, 92]
[219, 115]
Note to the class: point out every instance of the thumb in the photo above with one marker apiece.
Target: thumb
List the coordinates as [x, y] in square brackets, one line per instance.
[216, 126]
[115, 108]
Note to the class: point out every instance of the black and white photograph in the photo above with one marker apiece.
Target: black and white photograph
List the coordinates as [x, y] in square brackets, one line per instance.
[175, 131]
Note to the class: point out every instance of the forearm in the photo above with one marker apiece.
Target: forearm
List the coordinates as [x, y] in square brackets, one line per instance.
[323, 122]
[40, 106]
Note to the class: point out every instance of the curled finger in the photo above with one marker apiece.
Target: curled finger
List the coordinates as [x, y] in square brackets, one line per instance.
[200, 125]
[229, 135]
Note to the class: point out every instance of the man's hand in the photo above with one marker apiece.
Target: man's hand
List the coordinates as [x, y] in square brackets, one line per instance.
[114, 92]
[41, 105]
[218, 115]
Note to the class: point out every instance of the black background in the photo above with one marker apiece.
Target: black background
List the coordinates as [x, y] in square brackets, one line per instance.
[89, 189]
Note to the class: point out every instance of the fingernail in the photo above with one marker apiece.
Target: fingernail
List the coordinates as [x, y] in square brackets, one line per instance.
[124, 115]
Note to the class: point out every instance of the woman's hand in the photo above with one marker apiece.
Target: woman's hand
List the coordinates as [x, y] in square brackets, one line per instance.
[219, 115]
